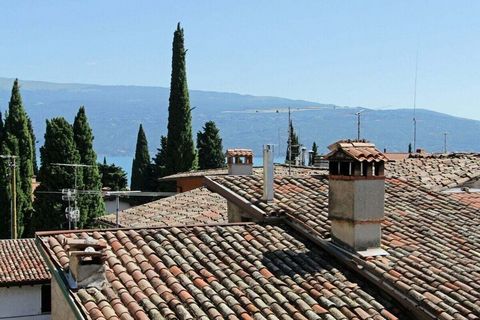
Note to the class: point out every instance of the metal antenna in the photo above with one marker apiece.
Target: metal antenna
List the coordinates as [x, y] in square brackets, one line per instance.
[445, 142]
[69, 195]
[13, 208]
[358, 122]
[415, 106]
[289, 143]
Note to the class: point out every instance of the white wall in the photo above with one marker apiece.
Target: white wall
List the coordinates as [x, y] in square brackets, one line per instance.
[111, 206]
[20, 303]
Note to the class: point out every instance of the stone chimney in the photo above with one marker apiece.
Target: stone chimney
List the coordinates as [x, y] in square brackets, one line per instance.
[356, 195]
[240, 162]
[268, 173]
[86, 263]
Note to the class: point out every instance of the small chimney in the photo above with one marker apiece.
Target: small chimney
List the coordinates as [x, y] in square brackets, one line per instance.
[240, 162]
[303, 154]
[268, 173]
[86, 263]
[356, 195]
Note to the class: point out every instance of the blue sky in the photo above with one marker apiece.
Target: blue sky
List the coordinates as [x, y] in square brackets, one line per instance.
[353, 53]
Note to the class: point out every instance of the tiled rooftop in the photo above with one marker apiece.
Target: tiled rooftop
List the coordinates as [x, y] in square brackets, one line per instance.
[239, 152]
[192, 207]
[245, 271]
[469, 198]
[280, 169]
[360, 150]
[437, 173]
[21, 263]
[433, 240]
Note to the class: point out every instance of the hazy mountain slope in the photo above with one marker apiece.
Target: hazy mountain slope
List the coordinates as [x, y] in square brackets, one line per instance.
[245, 121]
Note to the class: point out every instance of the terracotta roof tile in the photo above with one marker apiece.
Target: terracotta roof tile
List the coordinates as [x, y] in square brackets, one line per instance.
[21, 263]
[196, 206]
[432, 239]
[213, 272]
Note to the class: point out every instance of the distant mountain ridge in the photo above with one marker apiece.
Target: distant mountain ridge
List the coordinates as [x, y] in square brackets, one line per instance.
[249, 121]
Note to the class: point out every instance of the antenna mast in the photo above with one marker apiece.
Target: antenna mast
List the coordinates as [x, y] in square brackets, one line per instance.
[415, 106]
[289, 143]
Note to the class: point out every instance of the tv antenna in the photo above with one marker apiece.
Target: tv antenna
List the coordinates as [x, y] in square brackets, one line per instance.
[445, 142]
[415, 106]
[358, 122]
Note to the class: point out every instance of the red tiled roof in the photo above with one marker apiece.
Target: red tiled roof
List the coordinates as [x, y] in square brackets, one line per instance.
[192, 207]
[469, 198]
[239, 152]
[433, 241]
[439, 172]
[280, 169]
[245, 271]
[358, 150]
[21, 263]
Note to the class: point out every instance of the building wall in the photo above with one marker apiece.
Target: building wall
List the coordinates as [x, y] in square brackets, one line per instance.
[61, 309]
[23, 302]
[190, 183]
[111, 205]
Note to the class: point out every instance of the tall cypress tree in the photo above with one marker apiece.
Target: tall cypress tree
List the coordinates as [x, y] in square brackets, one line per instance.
[34, 146]
[210, 150]
[295, 145]
[141, 167]
[83, 137]
[16, 131]
[180, 148]
[160, 159]
[314, 153]
[59, 147]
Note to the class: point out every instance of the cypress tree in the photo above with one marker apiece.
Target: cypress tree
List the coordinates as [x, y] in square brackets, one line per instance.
[295, 145]
[34, 145]
[210, 150]
[59, 147]
[113, 177]
[16, 131]
[141, 167]
[180, 148]
[314, 153]
[83, 137]
[160, 159]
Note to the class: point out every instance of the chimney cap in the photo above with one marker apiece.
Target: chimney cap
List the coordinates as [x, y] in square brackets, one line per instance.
[359, 150]
[239, 152]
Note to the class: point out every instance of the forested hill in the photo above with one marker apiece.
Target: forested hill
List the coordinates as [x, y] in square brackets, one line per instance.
[244, 120]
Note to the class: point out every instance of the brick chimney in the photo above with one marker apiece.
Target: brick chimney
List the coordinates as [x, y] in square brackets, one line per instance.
[240, 161]
[86, 263]
[356, 194]
[268, 173]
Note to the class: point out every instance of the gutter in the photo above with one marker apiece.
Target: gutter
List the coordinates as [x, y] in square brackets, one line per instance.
[231, 196]
[60, 279]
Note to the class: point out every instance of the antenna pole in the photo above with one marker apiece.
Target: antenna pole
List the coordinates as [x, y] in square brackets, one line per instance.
[289, 143]
[445, 142]
[14, 198]
[358, 126]
[415, 106]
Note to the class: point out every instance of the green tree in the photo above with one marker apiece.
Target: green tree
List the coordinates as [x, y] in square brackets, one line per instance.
[180, 148]
[113, 177]
[314, 153]
[294, 145]
[17, 136]
[160, 159]
[59, 147]
[92, 204]
[210, 149]
[141, 168]
[34, 146]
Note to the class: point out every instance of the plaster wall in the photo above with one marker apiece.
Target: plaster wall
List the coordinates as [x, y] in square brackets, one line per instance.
[238, 169]
[61, 309]
[23, 302]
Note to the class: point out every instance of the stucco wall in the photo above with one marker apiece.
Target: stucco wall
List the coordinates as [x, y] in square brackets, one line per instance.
[61, 309]
[23, 302]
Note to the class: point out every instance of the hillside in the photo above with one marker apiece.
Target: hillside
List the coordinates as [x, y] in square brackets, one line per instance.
[244, 120]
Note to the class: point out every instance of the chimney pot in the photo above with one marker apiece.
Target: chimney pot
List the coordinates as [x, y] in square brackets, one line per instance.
[268, 173]
[86, 263]
[240, 161]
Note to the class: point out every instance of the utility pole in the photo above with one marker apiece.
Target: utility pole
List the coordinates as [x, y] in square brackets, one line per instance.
[445, 142]
[415, 106]
[13, 207]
